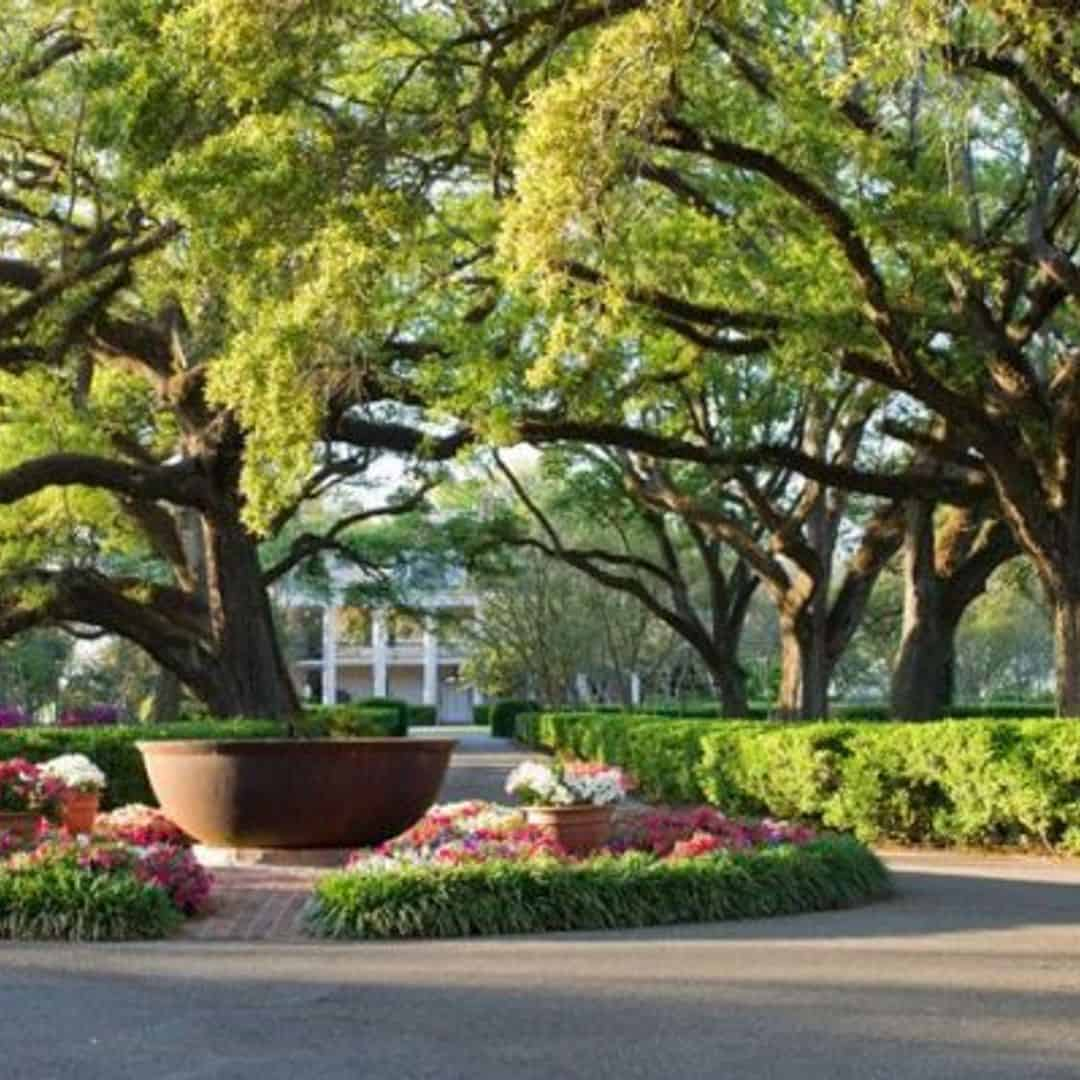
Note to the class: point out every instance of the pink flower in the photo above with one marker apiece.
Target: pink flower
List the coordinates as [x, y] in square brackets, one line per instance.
[178, 872]
[140, 825]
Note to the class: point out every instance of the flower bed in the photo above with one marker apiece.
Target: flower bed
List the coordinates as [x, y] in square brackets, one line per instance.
[134, 878]
[478, 868]
[141, 826]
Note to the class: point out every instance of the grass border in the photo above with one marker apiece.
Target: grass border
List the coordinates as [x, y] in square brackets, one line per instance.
[604, 893]
[59, 903]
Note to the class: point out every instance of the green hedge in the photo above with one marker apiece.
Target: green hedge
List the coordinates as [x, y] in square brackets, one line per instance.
[502, 715]
[864, 713]
[949, 782]
[423, 715]
[399, 706]
[357, 719]
[113, 748]
[600, 894]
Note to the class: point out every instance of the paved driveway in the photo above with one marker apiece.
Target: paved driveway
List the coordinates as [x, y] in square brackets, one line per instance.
[973, 970]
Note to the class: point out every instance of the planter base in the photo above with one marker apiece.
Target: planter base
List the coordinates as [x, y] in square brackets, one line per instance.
[244, 858]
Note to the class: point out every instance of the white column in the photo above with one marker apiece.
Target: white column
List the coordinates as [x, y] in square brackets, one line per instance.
[583, 690]
[477, 696]
[635, 688]
[431, 665]
[378, 653]
[329, 655]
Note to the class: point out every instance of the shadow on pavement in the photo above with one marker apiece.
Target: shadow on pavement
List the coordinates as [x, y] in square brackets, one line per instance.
[395, 1012]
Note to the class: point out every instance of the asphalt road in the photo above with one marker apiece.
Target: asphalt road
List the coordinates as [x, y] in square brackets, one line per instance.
[972, 971]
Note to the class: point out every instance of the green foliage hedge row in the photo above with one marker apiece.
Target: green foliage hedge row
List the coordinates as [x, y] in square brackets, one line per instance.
[502, 715]
[949, 782]
[599, 894]
[358, 720]
[423, 715]
[864, 713]
[113, 748]
[61, 903]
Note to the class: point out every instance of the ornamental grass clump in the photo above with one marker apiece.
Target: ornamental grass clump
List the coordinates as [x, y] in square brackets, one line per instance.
[80, 891]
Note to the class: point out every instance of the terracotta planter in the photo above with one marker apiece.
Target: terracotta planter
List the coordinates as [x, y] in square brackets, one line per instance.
[79, 810]
[579, 829]
[23, 823]
[296, 793]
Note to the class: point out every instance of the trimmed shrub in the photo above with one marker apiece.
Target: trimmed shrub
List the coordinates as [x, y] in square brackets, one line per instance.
[501, 716]
[356, 720]
[402, 708]
[113, 749]
[423, 715]
[981, 781]
[602, 893]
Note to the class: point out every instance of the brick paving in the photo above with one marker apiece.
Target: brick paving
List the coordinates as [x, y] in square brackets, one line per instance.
[255, 904]
[265, 903]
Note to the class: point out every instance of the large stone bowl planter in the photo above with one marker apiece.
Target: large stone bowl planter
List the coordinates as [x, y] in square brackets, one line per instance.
[296, 793]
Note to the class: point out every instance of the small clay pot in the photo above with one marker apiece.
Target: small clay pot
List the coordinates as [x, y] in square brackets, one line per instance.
[577, 829]
[79, 810]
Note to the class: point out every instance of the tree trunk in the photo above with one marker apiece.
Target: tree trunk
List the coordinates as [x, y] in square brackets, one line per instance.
[919, 680]
[1067, 653]
[729, 685]
[816, 671]
[165, 708]
[253, 678]
[922, 679]
[789, 694]
[804, 671]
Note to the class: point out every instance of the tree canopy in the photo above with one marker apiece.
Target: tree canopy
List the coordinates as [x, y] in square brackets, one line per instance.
[247, 248]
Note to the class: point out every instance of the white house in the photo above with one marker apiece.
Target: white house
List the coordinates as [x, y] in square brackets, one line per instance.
[371, 653]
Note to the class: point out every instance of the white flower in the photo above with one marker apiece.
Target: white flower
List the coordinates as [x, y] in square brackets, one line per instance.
[546, 785]
[533, 780]
[75, 771]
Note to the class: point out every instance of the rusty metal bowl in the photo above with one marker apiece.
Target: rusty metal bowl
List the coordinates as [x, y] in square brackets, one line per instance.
[296, 793]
